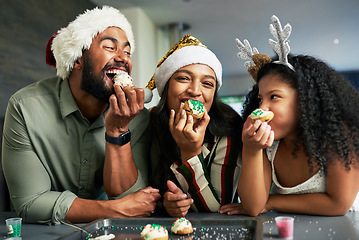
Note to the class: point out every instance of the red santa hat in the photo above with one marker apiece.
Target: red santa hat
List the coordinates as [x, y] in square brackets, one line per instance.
[66, 46]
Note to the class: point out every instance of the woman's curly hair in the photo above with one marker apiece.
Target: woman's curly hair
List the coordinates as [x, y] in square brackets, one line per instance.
[328, 110]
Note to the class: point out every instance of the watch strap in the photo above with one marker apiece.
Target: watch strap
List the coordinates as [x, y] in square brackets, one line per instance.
[120, 140]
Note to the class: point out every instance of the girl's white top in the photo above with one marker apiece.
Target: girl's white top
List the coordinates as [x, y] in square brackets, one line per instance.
[315, 184]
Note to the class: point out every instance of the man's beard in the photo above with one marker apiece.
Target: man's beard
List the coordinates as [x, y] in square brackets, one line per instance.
[92, 83]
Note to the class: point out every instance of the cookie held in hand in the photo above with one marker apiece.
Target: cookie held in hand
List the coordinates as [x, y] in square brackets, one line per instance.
[194, 108]
[259, 114]
[122, 79]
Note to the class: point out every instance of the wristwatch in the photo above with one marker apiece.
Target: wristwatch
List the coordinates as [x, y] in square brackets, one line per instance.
[120, 140]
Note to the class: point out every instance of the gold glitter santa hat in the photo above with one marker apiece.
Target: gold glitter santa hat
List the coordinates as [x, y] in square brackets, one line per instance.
[189, 50]
[66, 46]
[257, 60]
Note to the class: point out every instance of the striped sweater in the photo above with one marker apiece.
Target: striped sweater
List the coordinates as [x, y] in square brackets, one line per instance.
[211, 177]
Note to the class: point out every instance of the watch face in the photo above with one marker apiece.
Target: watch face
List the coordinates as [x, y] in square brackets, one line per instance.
[125, 138]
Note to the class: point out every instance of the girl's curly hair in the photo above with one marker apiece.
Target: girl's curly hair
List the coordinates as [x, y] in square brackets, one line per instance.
[329, 122]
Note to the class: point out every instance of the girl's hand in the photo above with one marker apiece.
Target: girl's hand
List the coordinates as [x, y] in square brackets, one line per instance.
[235, 208]
[188, 135]
[231, 209]
[258, 135]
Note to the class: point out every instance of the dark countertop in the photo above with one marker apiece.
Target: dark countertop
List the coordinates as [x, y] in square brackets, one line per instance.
[305, 227]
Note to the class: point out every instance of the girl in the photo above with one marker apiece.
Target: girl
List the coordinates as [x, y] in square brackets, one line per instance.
[309, 151]
[196, 163]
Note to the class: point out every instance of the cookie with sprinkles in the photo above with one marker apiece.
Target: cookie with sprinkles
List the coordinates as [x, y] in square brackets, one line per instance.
[194, 108]
[259, 114]
[122, 78]
[154, 232]
[182, 226]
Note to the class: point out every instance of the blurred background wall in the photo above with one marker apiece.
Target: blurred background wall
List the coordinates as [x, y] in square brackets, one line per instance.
[25, 28]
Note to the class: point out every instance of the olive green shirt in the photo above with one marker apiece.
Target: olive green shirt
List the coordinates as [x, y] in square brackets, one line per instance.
[52, 154]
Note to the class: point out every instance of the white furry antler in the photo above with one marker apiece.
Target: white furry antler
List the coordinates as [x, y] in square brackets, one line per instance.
[257, 60]
[246, 52]
[282, 46]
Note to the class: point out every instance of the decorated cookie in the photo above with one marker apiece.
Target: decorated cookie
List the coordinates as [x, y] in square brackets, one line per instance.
[154, 232]
[182, 226]
[194, 108]
[259, 114]
[122, 78]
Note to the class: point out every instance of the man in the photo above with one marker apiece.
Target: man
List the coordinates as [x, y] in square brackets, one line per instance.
[54, 148]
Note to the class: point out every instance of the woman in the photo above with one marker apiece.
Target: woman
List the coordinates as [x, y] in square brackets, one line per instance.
[196, 163]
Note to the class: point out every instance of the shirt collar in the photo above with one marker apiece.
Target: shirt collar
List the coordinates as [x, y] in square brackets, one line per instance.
[67, 102]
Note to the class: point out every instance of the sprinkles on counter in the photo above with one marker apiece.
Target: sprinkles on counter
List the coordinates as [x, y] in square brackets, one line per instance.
[103, 237]
[199, 232]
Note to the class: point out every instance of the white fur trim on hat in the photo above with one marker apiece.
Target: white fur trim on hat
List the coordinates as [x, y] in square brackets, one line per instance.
[183, 57]
[70, 41]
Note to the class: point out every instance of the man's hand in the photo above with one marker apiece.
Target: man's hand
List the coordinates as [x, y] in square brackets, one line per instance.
[125, 104]
[139, 204]
[175, 201]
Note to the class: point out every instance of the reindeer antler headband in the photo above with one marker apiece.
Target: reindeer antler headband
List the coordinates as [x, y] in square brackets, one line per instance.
[257, 60]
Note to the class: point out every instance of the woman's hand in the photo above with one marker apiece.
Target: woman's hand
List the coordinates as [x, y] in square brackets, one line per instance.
[175, 201]
[188, 135]
[258, 135]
